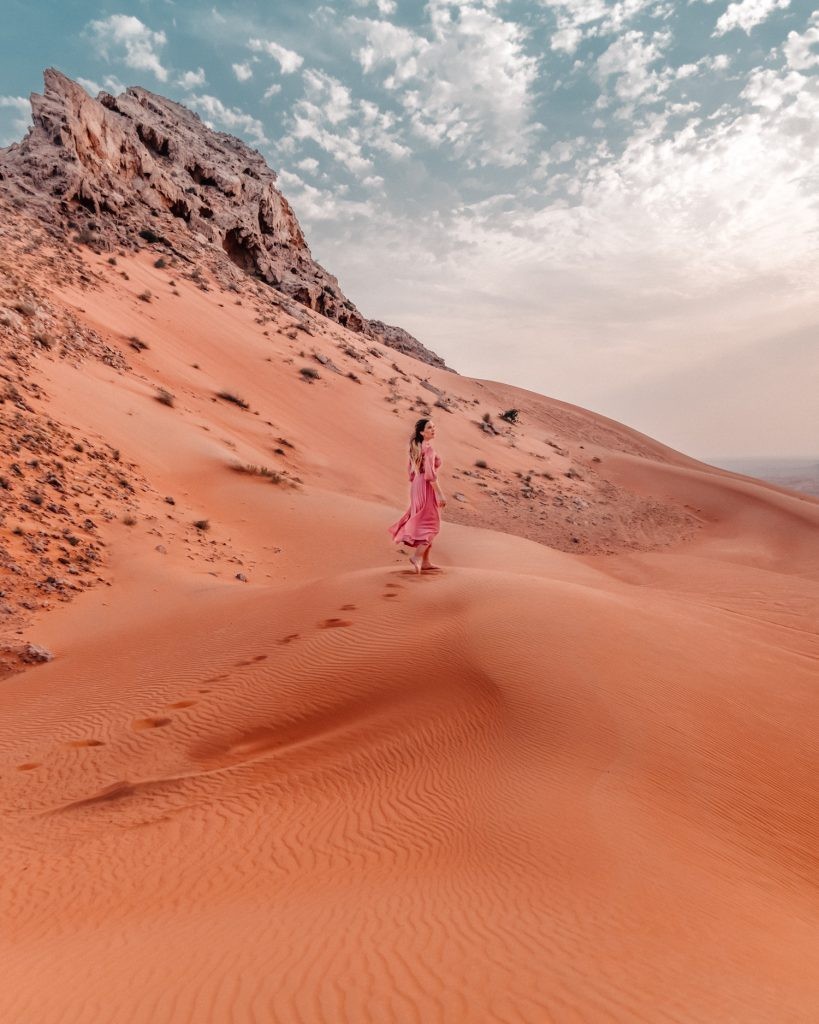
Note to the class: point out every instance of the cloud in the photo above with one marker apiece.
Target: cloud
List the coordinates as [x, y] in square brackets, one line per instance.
[272, 90]
[628, 59]
[578, 19]
[769, 89]
[20, 120]
[242, 71]
[802, 51]
[747, 14]
[316, 205]
[110, 83]
[466, 84]
[192, 79]
[309, 164]
[130, 41]
[216, 113]
[289, 60]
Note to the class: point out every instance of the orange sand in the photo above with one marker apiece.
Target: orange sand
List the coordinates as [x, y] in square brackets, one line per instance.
[537, 786]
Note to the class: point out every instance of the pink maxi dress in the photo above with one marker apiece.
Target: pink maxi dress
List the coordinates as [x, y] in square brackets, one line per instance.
[420, 524]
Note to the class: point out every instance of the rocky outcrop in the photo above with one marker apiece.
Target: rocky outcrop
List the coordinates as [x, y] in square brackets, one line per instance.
[138, 166]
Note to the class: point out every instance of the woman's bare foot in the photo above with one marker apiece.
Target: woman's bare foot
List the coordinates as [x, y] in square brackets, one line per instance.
[415, 562]
[429, 565]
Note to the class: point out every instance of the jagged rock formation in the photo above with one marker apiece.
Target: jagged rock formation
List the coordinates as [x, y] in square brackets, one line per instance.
[121, 168]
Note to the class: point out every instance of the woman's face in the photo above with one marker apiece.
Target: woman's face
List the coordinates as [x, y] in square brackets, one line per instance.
[429, 431]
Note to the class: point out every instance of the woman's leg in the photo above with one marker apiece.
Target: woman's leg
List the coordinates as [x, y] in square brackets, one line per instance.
[417, 558]
[425, 562]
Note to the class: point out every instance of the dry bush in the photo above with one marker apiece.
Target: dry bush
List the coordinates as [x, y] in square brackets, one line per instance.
[160, 263]
[137, 343]
[480, 464]
[202, 524]
[165, 397]
[228, 396]
[129, 520]
[144, 296]
[309, 373]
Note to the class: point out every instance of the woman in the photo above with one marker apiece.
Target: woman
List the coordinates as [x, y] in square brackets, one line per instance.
[419, 525]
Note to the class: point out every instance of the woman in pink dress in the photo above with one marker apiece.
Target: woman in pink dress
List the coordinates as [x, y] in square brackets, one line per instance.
[419, 525]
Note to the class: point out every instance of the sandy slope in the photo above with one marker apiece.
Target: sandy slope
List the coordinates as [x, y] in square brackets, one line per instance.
[538, 786]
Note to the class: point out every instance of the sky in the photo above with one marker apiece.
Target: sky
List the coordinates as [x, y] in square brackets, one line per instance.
[615, 204]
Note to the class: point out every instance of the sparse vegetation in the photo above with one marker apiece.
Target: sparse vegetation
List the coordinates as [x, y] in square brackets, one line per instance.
[161, 263]
[144, 296]
[137, 343]
[228, 396]
[112, 260]
[129, 520]
[265, 471]
[511, 415]
[165, 397]
[309, 373]
[202, 524]
[480, 464]
[25, 306]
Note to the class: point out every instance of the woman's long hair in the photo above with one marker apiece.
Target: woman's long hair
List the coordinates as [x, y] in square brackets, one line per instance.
[416, 441]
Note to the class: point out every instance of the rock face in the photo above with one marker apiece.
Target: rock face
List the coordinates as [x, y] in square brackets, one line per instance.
[139, 165]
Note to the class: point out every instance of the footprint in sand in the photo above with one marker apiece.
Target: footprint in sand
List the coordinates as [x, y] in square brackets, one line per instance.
[28, 766]
[334, 623]
[183, 704]
[391, 594]
[394, 586]
[347, 608]
[77, 744]
[150, 723]
[290, 636]
[203, 691]
[260, 657]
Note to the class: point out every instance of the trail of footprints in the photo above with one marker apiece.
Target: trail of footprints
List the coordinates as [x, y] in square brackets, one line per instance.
[152, 722]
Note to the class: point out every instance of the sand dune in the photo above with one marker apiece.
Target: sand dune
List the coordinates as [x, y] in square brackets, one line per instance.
[562, 780]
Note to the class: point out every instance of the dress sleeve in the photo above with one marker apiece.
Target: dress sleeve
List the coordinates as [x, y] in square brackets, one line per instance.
[430, 458]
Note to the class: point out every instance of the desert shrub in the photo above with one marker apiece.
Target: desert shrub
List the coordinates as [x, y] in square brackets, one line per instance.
[202, 524]
[165, 397]
[480, 464]
[486, 417]
[129, 520]
[160, 263]
[25, 306]
[309, 373]
[137, 343]
[228, 396]
[144, 296]
[511, 415]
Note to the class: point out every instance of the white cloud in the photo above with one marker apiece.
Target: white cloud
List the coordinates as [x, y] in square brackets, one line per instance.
[289, 60]
[272, 90]
[628, 59]
[192, 79]
[747, 14]
[578, 19]
[91, 87]
[309, 164]
[466, 84]
[802, 51]
[216, 113]
[327, 91]
[21, 118]
[313, 204]
[129, 40]
[767, 88]
[242, 71]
